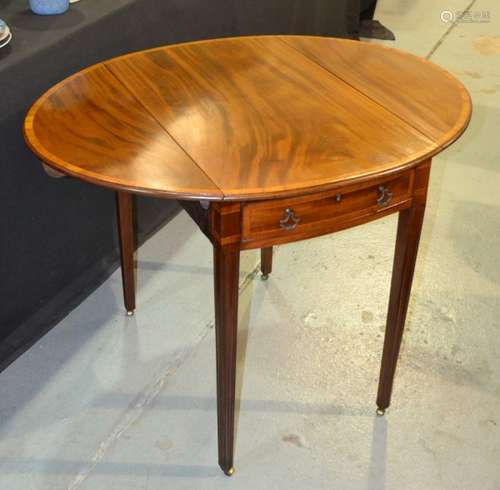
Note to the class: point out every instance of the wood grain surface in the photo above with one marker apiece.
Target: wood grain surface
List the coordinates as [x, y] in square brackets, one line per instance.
[418, 91]
[321, 213]
[248, 118]
[92, 127]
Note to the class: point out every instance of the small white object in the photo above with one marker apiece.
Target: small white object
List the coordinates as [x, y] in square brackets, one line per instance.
[4, 33]
[6, 41]
[4, 30]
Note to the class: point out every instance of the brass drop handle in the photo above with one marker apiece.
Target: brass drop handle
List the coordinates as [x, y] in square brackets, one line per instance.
[290, 221]
[385, 196]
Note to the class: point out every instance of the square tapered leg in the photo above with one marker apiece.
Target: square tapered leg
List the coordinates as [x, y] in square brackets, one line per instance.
[126, 234]
[266, 262]
[407, 241]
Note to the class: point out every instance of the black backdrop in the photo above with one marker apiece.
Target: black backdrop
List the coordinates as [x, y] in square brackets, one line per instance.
[58, 238]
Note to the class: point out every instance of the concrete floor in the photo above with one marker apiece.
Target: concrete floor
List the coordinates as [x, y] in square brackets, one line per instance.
[109, 402]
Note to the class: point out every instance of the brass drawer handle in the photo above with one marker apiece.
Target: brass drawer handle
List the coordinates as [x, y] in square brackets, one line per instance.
[290, 221]
[385, 196]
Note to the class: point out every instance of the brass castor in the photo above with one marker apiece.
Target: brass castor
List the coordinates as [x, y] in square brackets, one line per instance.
[380, 412]
[229, 472]
[264, 277]
[130, 313]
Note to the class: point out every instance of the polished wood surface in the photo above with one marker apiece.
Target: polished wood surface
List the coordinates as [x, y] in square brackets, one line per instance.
[238, 108]
[286, 138]
[230, 120]
[421, 93]
[91, 127]
[280, 221]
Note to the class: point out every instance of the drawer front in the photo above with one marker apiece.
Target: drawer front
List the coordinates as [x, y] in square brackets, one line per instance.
[286, 220]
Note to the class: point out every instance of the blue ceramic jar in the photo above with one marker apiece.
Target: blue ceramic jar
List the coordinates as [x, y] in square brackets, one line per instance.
[49, 7]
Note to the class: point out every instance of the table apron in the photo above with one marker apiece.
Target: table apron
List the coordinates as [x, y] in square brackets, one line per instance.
[325, 227]
[273, 222]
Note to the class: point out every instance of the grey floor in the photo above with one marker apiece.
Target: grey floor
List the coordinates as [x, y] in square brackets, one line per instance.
[109, 402]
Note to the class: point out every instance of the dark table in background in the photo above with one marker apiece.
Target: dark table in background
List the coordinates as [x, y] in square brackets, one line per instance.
[58, 239]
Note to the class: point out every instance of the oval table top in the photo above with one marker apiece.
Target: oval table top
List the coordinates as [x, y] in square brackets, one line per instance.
[248, 118]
